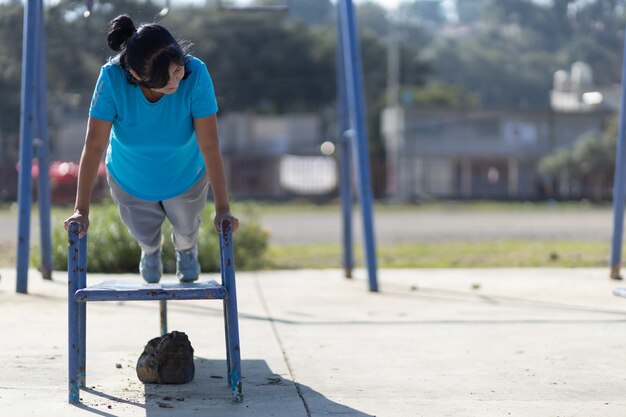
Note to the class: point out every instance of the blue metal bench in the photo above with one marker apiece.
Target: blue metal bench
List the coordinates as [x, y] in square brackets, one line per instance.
[79, 294]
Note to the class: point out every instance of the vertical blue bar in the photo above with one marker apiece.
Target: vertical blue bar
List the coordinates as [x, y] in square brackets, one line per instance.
[354, 83]
[163, 315]
[73, 279]
[225, 309]
[618, 185]
[43, 189]
[82, 313]
[27, 119]
[345, 160]
[228, 274]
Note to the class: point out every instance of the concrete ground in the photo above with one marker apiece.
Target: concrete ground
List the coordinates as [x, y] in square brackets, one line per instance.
[463, 342]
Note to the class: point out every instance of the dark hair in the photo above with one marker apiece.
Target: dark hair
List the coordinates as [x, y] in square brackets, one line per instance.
[148, 51]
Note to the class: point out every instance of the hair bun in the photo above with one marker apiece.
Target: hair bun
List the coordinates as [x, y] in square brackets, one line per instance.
[120, 30]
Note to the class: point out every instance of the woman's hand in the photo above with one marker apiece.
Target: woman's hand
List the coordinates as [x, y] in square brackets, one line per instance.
[81, 218]
[221, 215]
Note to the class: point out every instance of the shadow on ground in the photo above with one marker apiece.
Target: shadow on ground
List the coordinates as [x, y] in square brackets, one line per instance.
[265, 394]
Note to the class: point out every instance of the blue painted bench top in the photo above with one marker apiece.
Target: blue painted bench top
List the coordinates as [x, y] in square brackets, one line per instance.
[174, 290]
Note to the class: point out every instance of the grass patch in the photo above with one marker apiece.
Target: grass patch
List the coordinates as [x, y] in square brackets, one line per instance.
[8, 253]
[450, 254]
[111, 249]
[456, 254]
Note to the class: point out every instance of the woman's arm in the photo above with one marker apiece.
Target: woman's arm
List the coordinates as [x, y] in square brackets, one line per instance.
[96, 141]
[208, 142]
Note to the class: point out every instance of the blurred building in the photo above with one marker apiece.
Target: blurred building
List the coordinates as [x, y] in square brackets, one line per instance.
[483, 154]
[269, 157]
[276, 157]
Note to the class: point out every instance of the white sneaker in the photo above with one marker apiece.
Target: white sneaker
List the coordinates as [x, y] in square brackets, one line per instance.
[187, 266]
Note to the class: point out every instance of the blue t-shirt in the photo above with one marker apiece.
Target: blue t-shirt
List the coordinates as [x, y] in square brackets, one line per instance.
[153, 153]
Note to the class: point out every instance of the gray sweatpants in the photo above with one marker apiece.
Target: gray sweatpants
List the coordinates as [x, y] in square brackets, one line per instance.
[144, 218]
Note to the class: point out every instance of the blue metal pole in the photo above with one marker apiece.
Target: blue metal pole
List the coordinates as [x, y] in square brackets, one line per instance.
[354, 83]
[27, 119]
[73, 320]
[82, 314]
[232, 321]
[345, 160]
[43, 146]
[618, 184]
[225, 310]
[163, 315]
[345, 191]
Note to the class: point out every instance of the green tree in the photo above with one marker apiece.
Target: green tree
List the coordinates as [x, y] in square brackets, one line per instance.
[426, 12]
[468, 11]
[312, 12]
[438, 95]
[589, 163]
[508, 57]
[11, 18]
[502, 74]
[372, 17]
[259, 63]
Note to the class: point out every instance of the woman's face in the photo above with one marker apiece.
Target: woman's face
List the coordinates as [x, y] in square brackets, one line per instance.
[177, 72]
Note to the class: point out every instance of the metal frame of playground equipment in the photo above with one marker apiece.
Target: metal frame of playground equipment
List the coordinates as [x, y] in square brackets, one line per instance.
[353, 142]
[619, 185]
[33, 138]
[79, 294]
[619, 188]
[353, 139]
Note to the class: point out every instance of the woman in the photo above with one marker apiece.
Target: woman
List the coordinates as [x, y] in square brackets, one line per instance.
[154, 111]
